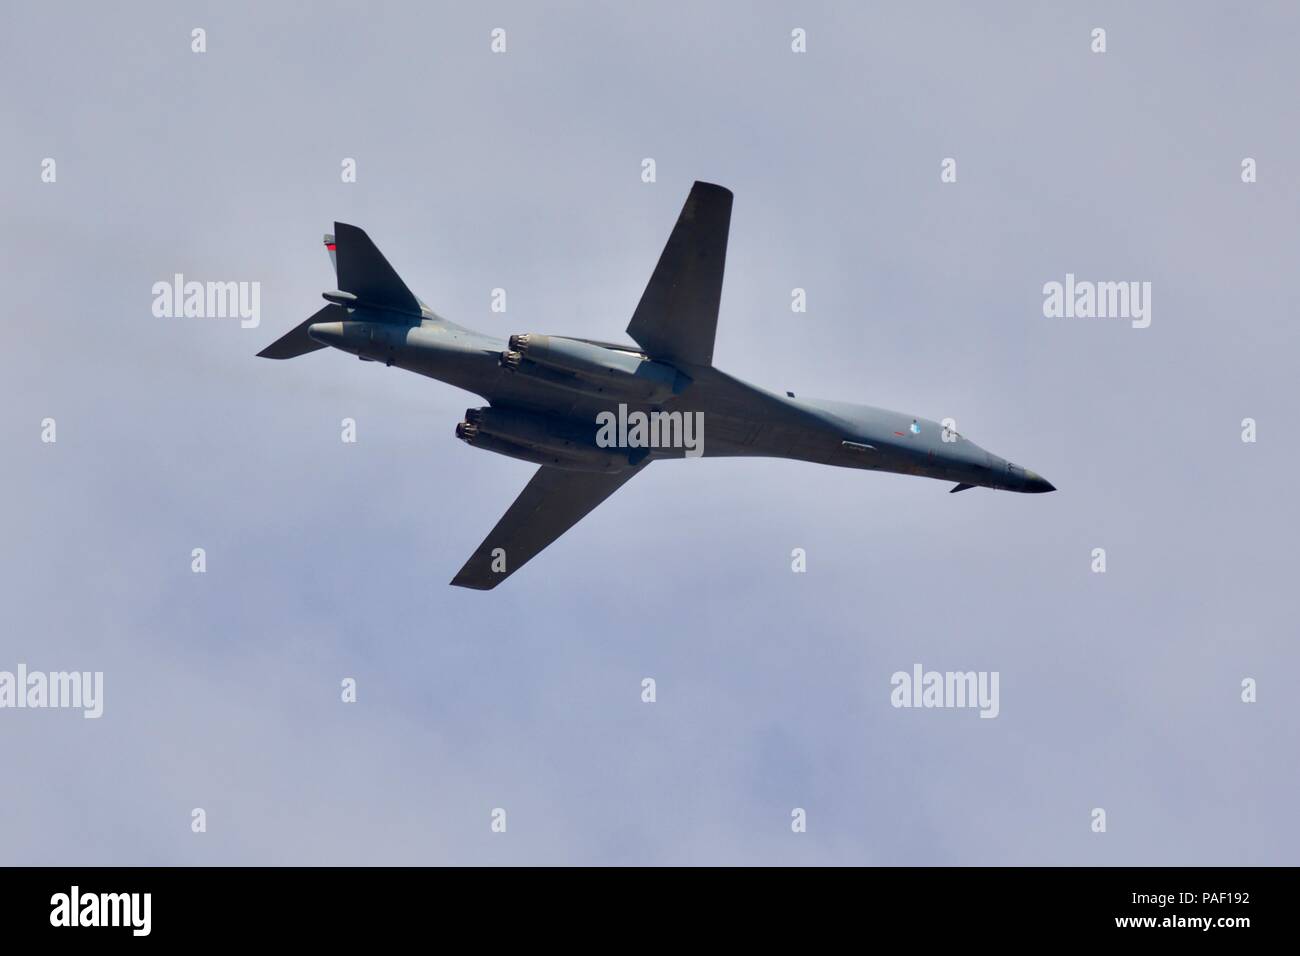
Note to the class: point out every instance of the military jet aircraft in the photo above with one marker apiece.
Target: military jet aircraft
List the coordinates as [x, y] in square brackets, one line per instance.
[594, 414]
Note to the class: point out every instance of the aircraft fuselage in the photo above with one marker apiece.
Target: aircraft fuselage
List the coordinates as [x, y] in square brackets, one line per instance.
[533, 398]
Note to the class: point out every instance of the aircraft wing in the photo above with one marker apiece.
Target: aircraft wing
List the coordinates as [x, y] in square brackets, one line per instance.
[677, 317]
[550, 504]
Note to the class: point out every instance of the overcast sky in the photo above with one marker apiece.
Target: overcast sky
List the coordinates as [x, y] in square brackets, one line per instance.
[522, 170]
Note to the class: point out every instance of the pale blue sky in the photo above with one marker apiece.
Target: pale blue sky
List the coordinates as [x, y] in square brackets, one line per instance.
[522, 171]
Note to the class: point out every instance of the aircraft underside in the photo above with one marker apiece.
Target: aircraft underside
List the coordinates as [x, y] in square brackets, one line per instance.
[592, 414]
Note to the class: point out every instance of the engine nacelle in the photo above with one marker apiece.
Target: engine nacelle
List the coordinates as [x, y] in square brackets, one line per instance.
[602, 370]
[539, 439]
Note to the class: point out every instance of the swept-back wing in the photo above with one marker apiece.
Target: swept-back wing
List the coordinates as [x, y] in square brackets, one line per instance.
[677, 317]
[550, 504]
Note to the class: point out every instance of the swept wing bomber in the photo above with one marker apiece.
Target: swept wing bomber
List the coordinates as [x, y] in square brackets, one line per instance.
[593, 414]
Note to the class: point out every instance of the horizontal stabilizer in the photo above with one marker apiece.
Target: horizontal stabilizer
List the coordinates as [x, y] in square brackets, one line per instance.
[962, 487]
[363, 271]
[296, 341]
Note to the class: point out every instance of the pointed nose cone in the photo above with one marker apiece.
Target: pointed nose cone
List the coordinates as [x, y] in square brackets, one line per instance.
[1035, 484]
[327, 333]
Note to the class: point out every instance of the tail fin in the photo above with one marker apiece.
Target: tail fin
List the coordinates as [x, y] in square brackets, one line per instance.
[363, 271]
[331, 247]
[297, 342]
